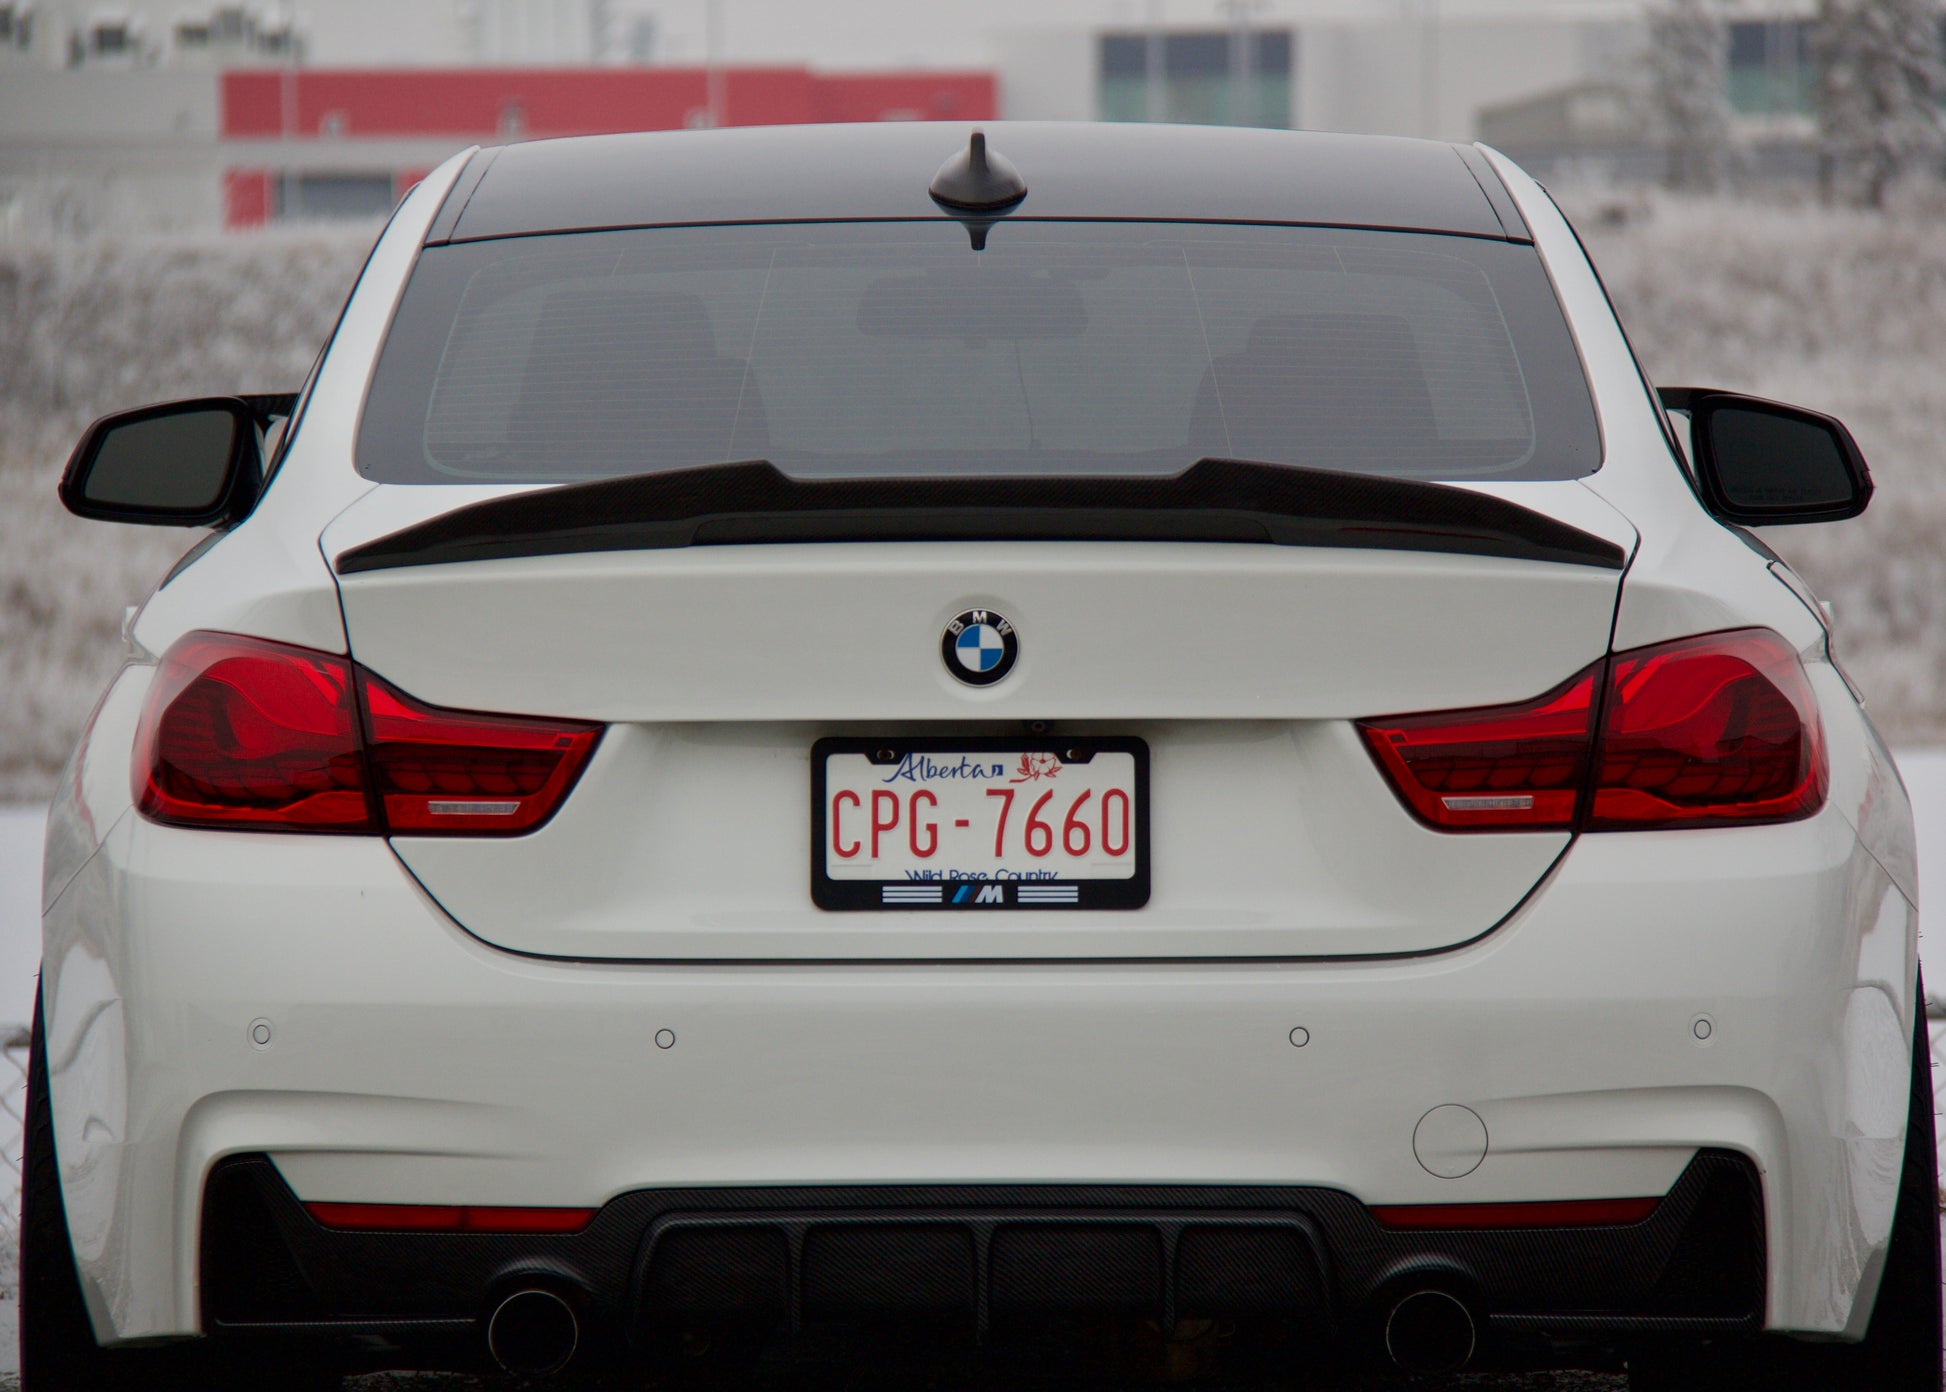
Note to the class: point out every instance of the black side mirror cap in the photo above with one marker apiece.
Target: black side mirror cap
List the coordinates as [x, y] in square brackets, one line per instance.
[1765, 464]
[189, 463]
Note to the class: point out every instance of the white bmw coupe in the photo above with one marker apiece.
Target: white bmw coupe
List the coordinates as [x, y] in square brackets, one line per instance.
[1145, 747]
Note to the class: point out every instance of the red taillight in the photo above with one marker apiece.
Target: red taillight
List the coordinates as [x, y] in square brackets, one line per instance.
[251, 735]
[449, 771]
[1481, 1217]
[1498, 767]
[471, 1218]
[259, 736]
[1720, 730]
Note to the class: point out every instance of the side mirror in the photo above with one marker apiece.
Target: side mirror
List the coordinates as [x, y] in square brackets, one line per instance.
[1764, 464]
[178, 464]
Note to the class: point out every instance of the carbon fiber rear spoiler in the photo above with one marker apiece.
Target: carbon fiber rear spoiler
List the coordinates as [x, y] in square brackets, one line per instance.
[1224, 500]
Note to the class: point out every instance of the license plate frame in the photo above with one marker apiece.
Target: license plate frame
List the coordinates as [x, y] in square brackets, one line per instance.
[868, 895]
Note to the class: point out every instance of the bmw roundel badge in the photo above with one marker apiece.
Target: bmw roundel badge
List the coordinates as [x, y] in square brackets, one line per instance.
[979, 647]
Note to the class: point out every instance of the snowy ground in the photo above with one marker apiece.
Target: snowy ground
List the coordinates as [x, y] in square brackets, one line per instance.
[20, 911]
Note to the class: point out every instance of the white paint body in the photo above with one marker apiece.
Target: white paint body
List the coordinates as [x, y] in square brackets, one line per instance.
[442, 1032]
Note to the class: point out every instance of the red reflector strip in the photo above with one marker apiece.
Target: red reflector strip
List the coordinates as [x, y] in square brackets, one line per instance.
[388, 1217]
[528, 1220]
[367, 1217]
[1569, 1213]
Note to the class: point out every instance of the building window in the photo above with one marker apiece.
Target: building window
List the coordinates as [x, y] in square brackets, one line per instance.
[1215, 77]
[306, 197]
[111, 39]
[234, 34]
[1772, 71]
[1774, 67]
[16, 26]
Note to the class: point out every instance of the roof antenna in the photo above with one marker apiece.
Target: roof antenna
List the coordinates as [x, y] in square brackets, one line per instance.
[978, 181]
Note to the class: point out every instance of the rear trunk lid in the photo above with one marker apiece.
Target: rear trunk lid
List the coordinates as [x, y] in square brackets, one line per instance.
[1238, 667]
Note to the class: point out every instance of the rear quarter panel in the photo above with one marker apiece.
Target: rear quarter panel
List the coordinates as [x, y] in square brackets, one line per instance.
[268, 579]
[1830, 1199]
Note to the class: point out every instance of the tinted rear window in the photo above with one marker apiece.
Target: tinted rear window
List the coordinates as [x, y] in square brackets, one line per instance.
[860, 349]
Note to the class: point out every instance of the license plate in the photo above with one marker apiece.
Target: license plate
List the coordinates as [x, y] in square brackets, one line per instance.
[1003, 823]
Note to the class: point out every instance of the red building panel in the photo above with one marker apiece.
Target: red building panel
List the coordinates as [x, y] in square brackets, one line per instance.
[403, 181]
[921, 96]
[501, 103]
[246, 197]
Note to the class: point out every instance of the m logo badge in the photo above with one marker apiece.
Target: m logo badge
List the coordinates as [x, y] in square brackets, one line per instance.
[991, 894]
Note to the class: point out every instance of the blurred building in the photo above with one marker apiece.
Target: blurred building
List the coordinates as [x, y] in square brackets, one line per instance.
[1206, 77]
[110, 118]
[313, 143]
[170, 113]
[1553, 84]
[1388, 69]
[423, 33]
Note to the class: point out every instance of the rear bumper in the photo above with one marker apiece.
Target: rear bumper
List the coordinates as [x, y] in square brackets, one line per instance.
[979, 1265]
[407, 1062]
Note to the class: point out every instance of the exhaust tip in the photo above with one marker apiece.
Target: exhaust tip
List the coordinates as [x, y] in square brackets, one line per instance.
[1430, 1332]
[533, 1333]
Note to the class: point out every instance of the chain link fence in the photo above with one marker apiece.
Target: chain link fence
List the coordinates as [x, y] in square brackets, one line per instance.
[14, 1043]
[1936, 1028]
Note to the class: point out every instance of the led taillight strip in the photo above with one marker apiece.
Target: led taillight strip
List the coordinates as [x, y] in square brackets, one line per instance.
[1482, 1217]
[457, 1218]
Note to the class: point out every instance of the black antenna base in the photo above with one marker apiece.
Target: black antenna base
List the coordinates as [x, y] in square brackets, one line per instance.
[978, 180]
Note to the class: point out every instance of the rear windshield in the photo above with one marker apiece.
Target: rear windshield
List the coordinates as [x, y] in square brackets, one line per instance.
[862, 349]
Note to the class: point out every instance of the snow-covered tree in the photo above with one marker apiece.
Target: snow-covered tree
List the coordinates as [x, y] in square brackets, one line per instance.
[1879, 89]
[1688, 52]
